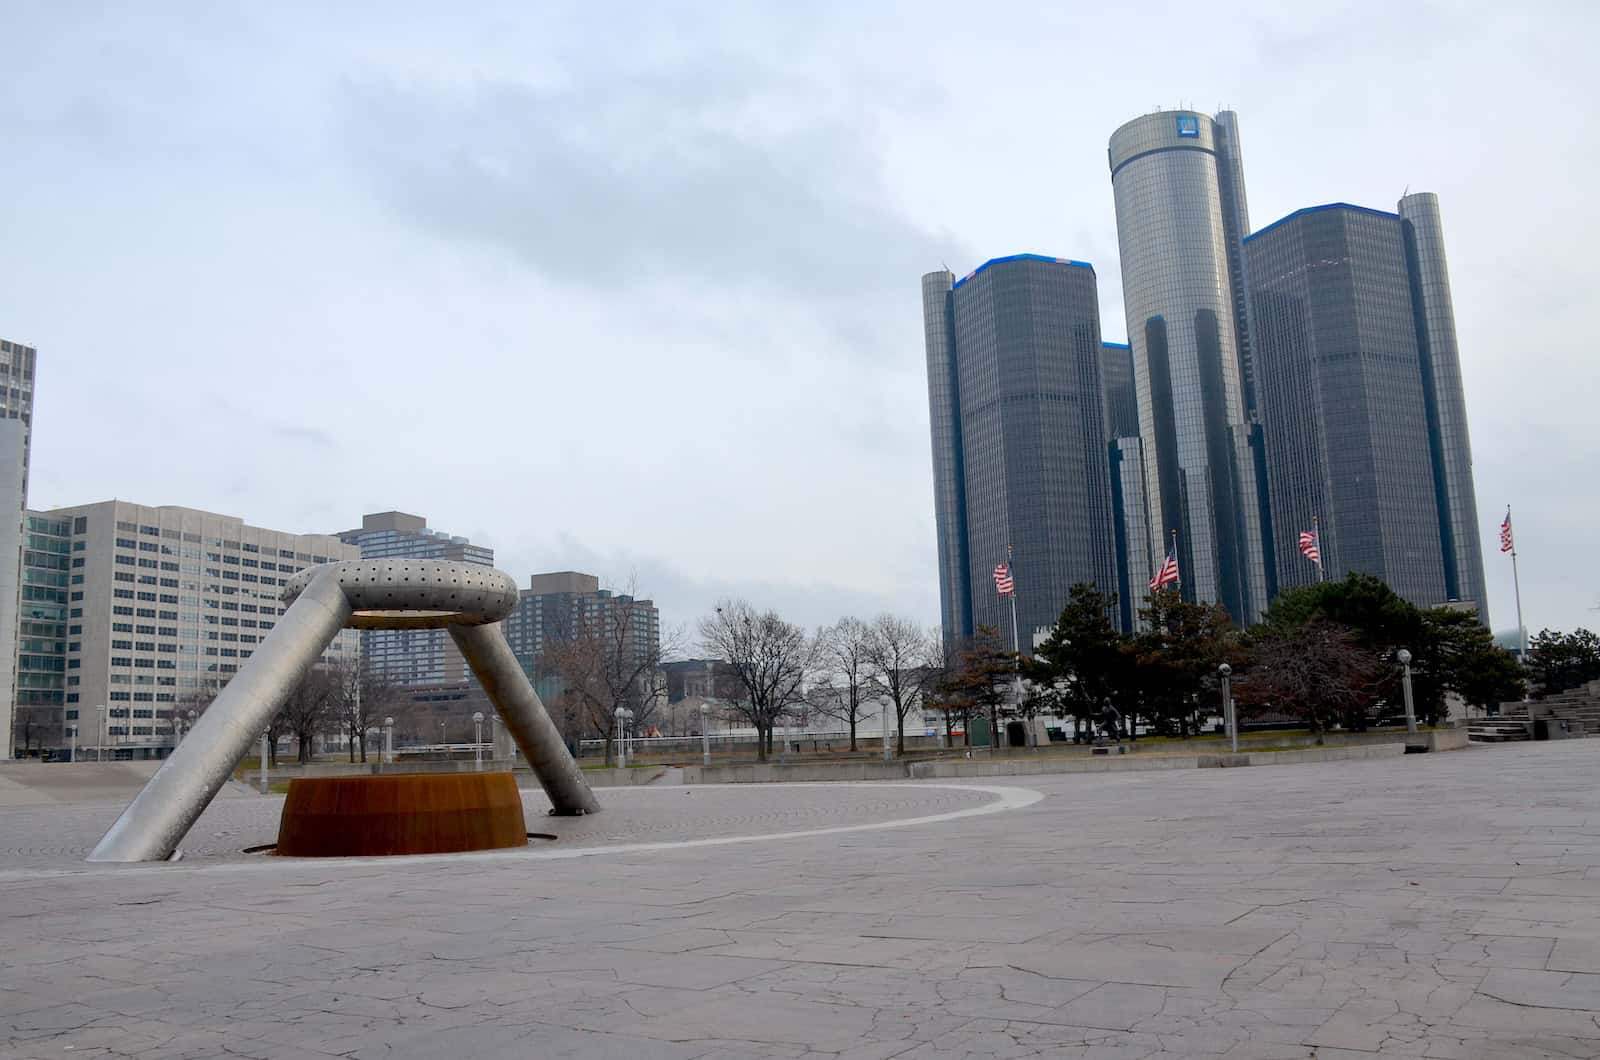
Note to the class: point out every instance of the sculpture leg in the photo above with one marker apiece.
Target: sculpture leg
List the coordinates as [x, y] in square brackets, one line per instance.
[163, 812]
[508, 688]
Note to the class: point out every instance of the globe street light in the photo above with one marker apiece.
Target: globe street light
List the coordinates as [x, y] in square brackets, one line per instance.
[477, 746]
[624, 716]
[1229, 718]
[388, 740]
[705, 733]
[1403, 657]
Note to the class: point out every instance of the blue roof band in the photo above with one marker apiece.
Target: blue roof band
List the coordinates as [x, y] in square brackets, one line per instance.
[1022, 257]
[1319, 209]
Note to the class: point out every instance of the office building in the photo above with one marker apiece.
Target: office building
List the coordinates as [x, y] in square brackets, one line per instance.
[40, 658]
[1130, 515]
[17, 365]
[162, 607]
[1450, 444]
[412, 657]
[1019, 440]
[565, 605]
[1178, 182]
[1360, 399]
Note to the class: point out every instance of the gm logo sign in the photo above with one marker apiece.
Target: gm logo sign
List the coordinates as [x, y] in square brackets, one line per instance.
[1189, 126]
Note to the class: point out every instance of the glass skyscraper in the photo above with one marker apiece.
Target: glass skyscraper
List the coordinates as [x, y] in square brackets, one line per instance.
[1360, 399]
[1447, 402]
[1019, 439]
[1178, 182]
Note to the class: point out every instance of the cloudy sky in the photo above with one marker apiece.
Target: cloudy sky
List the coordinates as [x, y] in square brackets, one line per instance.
[634, 288]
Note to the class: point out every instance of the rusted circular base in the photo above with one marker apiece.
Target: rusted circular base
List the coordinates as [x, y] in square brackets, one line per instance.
[427, 813]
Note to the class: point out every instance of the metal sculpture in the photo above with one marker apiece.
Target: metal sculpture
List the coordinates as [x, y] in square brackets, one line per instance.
[467, 599]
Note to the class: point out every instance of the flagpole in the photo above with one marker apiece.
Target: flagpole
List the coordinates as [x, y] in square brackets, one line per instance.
[1179, 579]
[1016, 644]
[1516, 587]
[1316, 532]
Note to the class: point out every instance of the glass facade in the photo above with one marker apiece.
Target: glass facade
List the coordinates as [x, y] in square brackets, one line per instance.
[1343, 404]
[1122, 396]
[1026, 421]
[949, 483]
[1179, 189]
[42, 634]
[1451, 446]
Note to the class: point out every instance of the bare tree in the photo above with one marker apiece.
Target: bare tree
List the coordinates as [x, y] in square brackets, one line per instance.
[308, 709]
[842, 653]
[899, 657]
[1317, 670]
[609, 661]
[362, 697]
[770, 659]
[36, 725]
[197, 699]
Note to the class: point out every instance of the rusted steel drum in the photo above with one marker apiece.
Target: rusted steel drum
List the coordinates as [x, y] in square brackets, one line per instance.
[424, 813]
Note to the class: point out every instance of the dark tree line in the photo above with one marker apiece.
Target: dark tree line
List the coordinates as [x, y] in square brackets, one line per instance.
[1323, 655]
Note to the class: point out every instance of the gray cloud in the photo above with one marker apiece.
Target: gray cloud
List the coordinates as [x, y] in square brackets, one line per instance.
[626, 179]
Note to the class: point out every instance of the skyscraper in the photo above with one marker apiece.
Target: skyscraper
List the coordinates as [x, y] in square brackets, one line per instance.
[412, 657]
[1345, 327]
[1177, 177]
[1450, 444]
[1019, 439]
[17, 364]
[1130, 515]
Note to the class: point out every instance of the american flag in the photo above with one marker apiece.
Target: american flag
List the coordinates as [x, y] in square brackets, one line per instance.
[1003, 583]
[1505, 534]
[1167, 575]
[1308, 547]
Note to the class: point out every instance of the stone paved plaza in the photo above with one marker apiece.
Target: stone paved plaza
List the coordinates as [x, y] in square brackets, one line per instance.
[1443, 905]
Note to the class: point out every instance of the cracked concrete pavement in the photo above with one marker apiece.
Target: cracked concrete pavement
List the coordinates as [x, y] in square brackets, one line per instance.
[1433, 906]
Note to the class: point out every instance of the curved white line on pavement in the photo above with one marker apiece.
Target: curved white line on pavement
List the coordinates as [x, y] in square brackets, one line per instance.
[1005, 798]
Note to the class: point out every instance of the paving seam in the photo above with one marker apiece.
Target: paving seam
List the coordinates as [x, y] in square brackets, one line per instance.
[1006, 798]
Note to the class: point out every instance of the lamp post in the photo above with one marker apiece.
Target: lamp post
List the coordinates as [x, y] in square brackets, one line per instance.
[705, 734]
[443, 746]
[265, 755]
[624, 716]
[72, 735]
[1231, 720]
[388, 740]
[100, 734]
[1403, 657]
[883, 723]
[477, 746]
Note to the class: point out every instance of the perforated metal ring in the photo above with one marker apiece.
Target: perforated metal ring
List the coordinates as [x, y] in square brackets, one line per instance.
[416, 593]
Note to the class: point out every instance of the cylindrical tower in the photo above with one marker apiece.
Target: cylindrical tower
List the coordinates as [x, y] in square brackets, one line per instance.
[1173, 228]
[944, 418]
[1447, 401]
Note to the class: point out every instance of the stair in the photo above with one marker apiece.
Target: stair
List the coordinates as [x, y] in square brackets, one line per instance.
[1498, 730]
[1579, 707]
